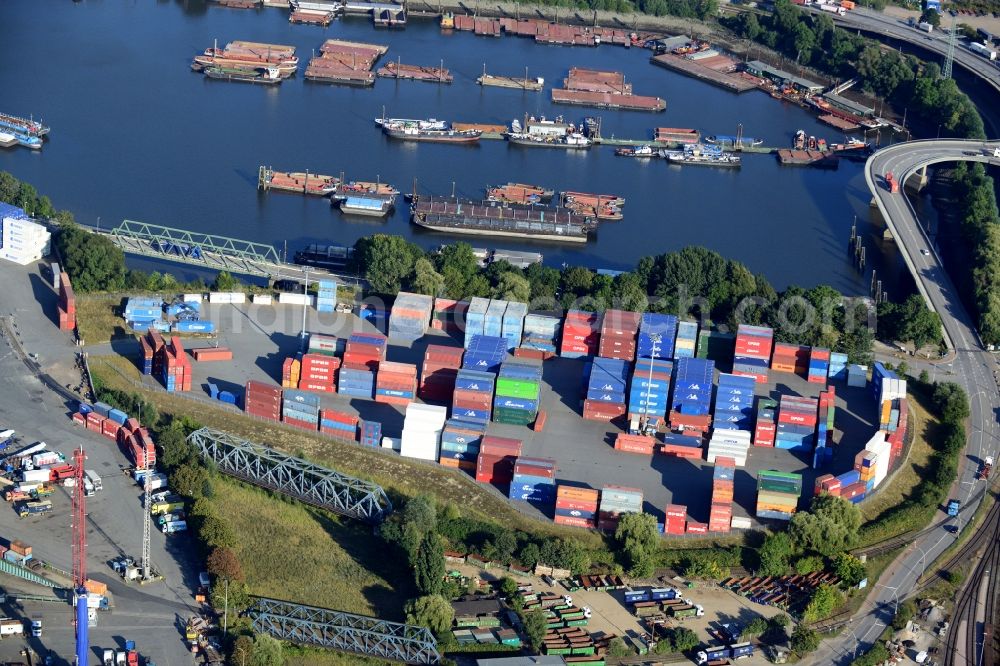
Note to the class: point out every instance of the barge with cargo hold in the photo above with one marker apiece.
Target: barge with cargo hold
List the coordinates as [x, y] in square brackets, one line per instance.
[413, 132]
[263, 75]
[519, 193]
[367, 205]
[458, 216]
[294, 181]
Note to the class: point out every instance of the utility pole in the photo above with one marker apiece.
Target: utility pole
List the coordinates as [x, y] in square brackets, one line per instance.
[949, 59]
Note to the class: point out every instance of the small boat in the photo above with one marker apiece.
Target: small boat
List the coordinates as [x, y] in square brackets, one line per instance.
[638, 151]
[265, 75]
[431, 124]
[412, 132]
[517, 193]
[363, 188]
[573, 140]
[800, 140]
[368, 206]
[7, 140]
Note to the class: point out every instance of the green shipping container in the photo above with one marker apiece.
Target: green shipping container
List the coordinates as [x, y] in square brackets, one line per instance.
[773, 474]
[513, 388]
[583, 650]
[558, 651]
[577, 623]
[779, 487]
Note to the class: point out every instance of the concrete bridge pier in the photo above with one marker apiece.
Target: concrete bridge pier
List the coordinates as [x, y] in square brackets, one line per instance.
[917, 181]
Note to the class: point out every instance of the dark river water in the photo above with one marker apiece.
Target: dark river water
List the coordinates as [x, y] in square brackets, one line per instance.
[137, 135]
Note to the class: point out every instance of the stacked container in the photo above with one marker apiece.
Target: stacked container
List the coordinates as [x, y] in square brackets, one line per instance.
[605, 399]
[485, 353]
[686, 342]
[66, 310]
[723, 480]
[790, 358]
[496, 459]
[682, 446]
[857, 376]
[449, 315]
[753, 351]
[338, 425]
[580, 334]
[291, 372]
[357, 381]
[371, 434]
[734, 444]
[517, 391]
[139, 445]
[473, 396]
[422, 426]
[649, 390]
[656, 336]
[493, 322]
[847, 485]
[824, 428]
[365, 349]
[796, 423]
[460, 442]
[300, 409]
[827, 483]
[692, 395]
[778, 494]
[734, 403]
[675, 519]
[327, 345]
[897, 437]
[641, 444]
[151, 345]
[534, 481]
[541, 333]
[437, 378]
[141, 312]
[176, 366]
[576, 506]
[618, 331]
[716, 346]
[396, 383]
[891, 392]
[766, 426]
[326, 297]
[475, 318]
[838, 366]
[873, 463]
[513, 324]
[410, 316]
[615, 501]
[262, 401]
[819, 366]
[318, 373]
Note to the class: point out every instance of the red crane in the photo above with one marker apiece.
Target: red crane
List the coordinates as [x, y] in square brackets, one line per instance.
[79, 522]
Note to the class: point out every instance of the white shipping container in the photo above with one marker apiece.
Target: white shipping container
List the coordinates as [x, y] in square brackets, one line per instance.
[192, 298]
[262, 299]
[390, 443]
[237, 297]
[286, 298]
[35, 475]
[45, 458]
[10, 627]
[218, 297]
[857, 376]
[740, 523]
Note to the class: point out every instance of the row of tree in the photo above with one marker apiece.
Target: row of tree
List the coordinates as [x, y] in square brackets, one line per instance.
[933, 103]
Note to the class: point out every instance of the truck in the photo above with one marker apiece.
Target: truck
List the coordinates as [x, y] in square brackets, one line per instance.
[94, 479]
[924, 26]
[169, 518]
[722, 653]
[158, 508]
[891, 183]
[953, 507]
[36, 626]
[982, 49]
[985, 468]
[33, 508]
[11, 627]
[174, 526]
[833, 9]
[635, 596]
[683, 611]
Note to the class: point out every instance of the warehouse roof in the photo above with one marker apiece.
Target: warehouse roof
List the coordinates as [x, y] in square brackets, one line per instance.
[849, 105]
[476, 607]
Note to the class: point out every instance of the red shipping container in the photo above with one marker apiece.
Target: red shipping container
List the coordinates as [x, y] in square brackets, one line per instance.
[696, 528]
[634, 444]
[572, 521]
[681, 451]
[596, 410]
[80, 418]
[305, 425]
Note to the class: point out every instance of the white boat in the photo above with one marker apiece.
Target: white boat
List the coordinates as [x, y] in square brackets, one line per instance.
[7, 140]
[429, 124]
[318, 5]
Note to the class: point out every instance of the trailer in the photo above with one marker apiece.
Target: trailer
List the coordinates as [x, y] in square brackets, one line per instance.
[983, 474]
[11, 627]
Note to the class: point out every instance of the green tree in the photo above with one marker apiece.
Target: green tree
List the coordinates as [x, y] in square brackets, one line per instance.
[223, 563]
[226, 282]
[825, 600]
[638, 539]
[951, 402]
[910, 321]
[217, 533]
[234, 597]
[93, 262]
[808, 564]
[932, 17]
[683, 639]
[577, 281]
[755, 628]
[544, 282]
[428, 565]
[188, 479]
[849, 569]
[618, 648]
[775, 554]
[267, 651]
[906, 612]
[512, 286]
[386, 261]
[535, 626]
[829, 527]
[508, 586]
[431, 611]
[241, 653]
[425, 279]
[804, 640]
[564, 554]
[628, 293]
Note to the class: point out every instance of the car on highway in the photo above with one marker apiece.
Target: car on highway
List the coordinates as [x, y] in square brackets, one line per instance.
[924, 252]
[969, 152]
[951, 529]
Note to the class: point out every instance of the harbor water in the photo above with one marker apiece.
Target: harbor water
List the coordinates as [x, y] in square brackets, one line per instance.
[137, 135]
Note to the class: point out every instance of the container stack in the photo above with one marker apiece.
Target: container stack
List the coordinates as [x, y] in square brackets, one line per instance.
[326, 297]
[475, 318]
[796, 423]
[819, 366]
[656, 336]
[753, 351]
[338, 425]
[734, 403]
[410, 316]
[649, 390]
[847, 485]
[140, 447]
[327, 345]
[300, 409]
[733, 444]
[766, 427]
[449, 315]
[518, 390]
[473, 396]
[897, 437]
[723, 480]
[580, 334]
[318, 373]
[291, 372]
[365, 349]
[513, 324]
[891, 391]
[675, 519]
[396, 383]
[485, 353]
[778, 494]
[541, 333]
[615, 501]
[21, 240]
[496, 460]
[576, 506]
[873, 464]
[838, 366]
[824, 428]
[422, 426]
[176, 366]
[66, 309]
[857, 376]
[716, 346]
[692, 395]
[790, 358]
[618, 332]
[262, 400]
[142, 312]
[151, 345]
[460, 442]
[605, 400]
[534, 481]
[493, 322]
[682, 446]
[437, 377]
[371, 434]
[687, 339]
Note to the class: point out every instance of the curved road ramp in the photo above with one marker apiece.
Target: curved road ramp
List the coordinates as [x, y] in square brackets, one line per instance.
[297, 478]
[344, 632]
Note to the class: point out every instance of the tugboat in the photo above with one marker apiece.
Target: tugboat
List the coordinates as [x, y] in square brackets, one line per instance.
[639, 151]
[800, 140]
[413, 132]
[701, 155]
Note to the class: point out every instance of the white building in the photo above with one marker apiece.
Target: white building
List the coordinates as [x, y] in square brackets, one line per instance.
[21, 241]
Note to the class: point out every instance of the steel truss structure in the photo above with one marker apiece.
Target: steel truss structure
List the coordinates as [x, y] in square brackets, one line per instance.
[297, 478]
